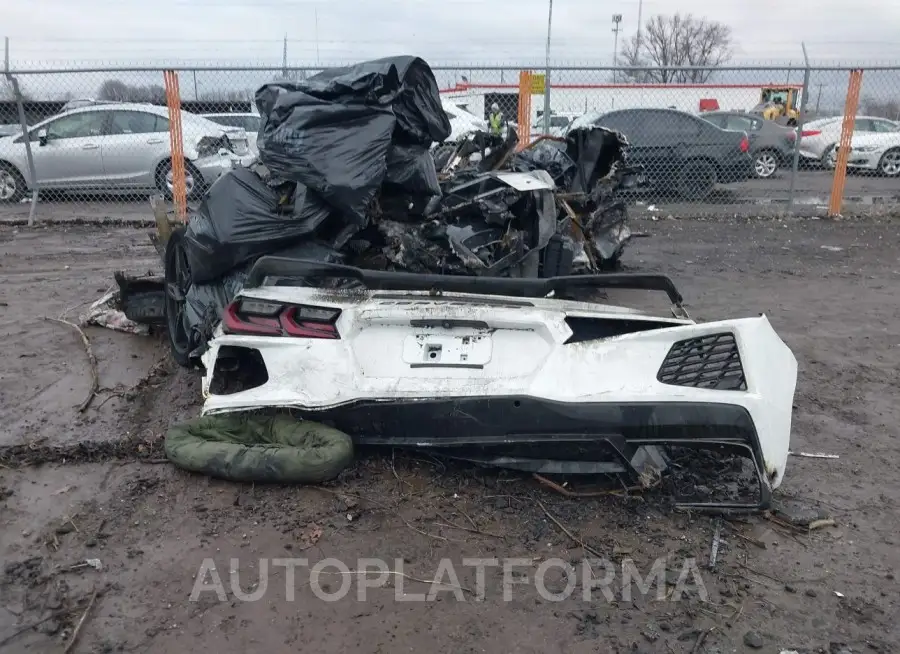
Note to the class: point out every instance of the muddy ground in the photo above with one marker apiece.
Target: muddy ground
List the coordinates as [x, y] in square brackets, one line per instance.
[831, 289]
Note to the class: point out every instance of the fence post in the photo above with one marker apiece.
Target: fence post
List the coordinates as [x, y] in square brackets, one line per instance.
[173, 101]
[547, 73]
[801, 118]
[23, 122]
[843, 153]
[524, 117]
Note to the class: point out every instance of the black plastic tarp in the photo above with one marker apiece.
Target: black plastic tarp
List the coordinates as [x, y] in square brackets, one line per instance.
[242, 218]
[594, 151]
[205, 301]
[333, 132]
[411, 167]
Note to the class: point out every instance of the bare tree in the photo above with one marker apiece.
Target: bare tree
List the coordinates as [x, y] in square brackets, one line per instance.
[885, 109]
[670, 42]
[227, 96]
[118, 91]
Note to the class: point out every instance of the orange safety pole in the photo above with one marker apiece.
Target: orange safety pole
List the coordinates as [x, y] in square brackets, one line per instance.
[843, 153]
[524, 117]
[173, 102]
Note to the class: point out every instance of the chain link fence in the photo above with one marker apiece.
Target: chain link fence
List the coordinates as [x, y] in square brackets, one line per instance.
[714, 142]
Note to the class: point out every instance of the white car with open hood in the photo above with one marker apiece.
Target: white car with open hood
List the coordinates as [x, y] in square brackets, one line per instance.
[503, 365]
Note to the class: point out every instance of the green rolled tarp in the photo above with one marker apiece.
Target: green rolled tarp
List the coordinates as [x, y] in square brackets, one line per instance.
[259, 448]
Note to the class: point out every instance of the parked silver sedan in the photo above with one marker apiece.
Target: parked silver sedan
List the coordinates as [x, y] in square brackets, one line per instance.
[117, 147]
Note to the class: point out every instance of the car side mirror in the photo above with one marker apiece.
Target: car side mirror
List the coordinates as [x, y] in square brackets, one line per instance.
[43, 136]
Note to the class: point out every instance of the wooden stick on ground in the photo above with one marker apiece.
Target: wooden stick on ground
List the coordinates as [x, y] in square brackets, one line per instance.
[401, 574]
[565, 530]
[32, 625]
[80, 624]
[449, 523]
[384, 507]
[565, 491]
[700, 639]
[92, 360]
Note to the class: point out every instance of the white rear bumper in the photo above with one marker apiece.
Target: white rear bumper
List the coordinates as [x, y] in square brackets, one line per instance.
[367, 366]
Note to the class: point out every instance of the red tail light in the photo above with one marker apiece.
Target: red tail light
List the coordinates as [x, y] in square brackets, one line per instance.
[262, 318]
[810, 132]
[745, 144]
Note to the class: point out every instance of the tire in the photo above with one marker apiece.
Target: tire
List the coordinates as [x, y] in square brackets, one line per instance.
[247, 447]
[177, 284]
[12, 184]
[828, 158]
[889, 164]
[696, 180]
[765, 164]
[193, 180]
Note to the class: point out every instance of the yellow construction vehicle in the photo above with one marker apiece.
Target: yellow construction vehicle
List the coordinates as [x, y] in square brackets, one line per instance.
[778, 104]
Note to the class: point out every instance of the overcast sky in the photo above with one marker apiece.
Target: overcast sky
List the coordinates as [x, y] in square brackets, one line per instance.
[125, 32]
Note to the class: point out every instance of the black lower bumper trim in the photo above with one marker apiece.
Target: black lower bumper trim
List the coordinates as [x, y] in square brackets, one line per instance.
[524, 427]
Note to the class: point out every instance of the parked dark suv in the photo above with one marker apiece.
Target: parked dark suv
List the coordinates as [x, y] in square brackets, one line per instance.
[681, 152]
[771, 144]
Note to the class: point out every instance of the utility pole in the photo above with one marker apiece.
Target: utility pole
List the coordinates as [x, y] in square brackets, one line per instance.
[6, 53]
[637, 49]
[819, 97]
[616, 19]
[316, 11]
[547, 73]
[196, 95]
[284, 72]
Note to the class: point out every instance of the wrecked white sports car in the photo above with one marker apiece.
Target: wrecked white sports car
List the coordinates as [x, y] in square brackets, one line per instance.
[501, 369]
[454, 305]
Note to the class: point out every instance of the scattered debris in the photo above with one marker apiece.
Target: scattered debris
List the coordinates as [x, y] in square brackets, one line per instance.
[310, 536]
[106, 312]
[753, 639]
[809, 455]
[714, 551]
[567, 532]
[397, 573]
[700, 638]
[795, 514]
[33, 625]
[80, 624]
[832, 248]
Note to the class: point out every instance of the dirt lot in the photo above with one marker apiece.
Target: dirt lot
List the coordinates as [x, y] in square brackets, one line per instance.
[830, 288]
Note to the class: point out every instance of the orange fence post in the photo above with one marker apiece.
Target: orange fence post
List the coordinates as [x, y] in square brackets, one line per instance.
[173, 102]
[524, 117]
[843, 152]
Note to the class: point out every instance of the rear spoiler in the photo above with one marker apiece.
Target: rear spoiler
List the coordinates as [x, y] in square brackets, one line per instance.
[285, 267]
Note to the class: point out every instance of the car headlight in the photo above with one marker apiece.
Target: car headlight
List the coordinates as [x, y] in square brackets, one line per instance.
[866, 148]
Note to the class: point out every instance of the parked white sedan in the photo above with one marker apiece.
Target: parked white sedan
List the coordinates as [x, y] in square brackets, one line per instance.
[873, 152]
[248, 122]
[820, 137]
[117, 147]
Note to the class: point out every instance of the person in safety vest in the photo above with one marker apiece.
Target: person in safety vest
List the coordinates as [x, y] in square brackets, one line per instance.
[495, 120]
